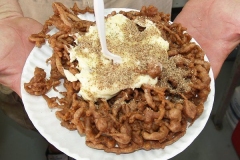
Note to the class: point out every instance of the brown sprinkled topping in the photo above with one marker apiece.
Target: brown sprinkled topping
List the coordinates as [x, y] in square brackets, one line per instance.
[139, 50]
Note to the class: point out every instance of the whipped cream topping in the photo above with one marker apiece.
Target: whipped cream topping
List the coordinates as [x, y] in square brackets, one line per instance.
[99, 77]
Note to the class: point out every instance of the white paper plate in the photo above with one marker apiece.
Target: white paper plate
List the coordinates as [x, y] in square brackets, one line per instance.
[70, 142]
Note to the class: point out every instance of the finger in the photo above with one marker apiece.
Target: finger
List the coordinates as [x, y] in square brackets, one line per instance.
[10, 8]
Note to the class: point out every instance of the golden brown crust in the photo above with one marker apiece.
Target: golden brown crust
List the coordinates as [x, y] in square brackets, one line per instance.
[147, 118]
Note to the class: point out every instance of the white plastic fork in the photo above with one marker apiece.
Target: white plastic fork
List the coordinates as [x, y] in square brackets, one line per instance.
[99, 15]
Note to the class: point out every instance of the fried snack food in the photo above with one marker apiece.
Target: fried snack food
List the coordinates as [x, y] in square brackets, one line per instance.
[149, 117]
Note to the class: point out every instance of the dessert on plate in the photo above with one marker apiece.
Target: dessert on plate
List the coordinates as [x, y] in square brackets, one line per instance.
[146, 102]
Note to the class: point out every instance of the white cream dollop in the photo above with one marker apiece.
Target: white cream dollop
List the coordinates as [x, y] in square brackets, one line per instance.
[99, 77]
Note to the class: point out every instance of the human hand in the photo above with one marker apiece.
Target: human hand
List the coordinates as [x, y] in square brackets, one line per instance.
[215, 24]
[15, 46]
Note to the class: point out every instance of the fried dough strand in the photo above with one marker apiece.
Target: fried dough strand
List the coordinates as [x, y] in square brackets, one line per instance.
[150, 117]
[38, 85]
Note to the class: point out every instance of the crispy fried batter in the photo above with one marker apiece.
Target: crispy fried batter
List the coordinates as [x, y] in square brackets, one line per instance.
[38, 85]
[147, 118]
